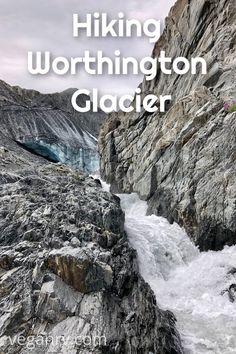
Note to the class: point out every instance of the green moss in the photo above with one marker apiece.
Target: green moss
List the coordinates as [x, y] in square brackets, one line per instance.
[232, 108]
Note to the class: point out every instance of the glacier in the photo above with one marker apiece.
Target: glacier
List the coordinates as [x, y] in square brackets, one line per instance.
[47, 125]
[78, 157]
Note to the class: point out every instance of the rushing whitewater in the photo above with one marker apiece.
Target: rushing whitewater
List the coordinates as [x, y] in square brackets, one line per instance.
[189, 283]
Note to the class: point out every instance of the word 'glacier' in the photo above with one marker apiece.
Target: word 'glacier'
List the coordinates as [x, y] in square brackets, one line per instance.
[111, 103]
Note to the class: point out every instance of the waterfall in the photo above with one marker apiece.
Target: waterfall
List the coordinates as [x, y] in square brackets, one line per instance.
[191, 284]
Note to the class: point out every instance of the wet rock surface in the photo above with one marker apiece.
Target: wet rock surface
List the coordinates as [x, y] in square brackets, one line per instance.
[69, 281]
[183, 162]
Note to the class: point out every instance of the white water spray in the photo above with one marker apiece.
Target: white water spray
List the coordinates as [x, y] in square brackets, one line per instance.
[185, 281]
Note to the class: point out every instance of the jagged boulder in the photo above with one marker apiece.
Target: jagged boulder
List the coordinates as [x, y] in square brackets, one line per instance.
[79, 270]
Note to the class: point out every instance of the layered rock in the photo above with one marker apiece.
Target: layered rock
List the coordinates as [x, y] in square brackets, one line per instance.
[47, 125]
[69, 281]
[183, 161]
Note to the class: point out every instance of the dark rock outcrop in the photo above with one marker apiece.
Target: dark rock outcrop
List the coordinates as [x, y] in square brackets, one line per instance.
[183, 162]
[69, 281]
[47, 125]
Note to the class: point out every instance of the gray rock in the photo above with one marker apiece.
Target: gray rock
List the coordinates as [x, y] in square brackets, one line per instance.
[183, 161]
[69, 280]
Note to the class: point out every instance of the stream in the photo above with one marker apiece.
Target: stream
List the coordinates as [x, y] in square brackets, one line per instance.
[185, 281]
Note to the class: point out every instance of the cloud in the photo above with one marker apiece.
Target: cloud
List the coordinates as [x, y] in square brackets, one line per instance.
[27, 25]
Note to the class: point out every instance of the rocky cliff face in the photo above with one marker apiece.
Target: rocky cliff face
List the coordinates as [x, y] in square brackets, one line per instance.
[183, 162]
[47, 125]
[69, 281]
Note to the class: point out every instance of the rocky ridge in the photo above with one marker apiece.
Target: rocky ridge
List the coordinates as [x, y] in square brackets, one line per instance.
[69, 281]
[183, 161]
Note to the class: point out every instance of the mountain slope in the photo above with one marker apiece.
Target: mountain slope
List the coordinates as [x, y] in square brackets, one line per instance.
[183, 162]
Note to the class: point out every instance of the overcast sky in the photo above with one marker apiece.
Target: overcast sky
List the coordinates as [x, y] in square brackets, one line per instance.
[32, 25]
